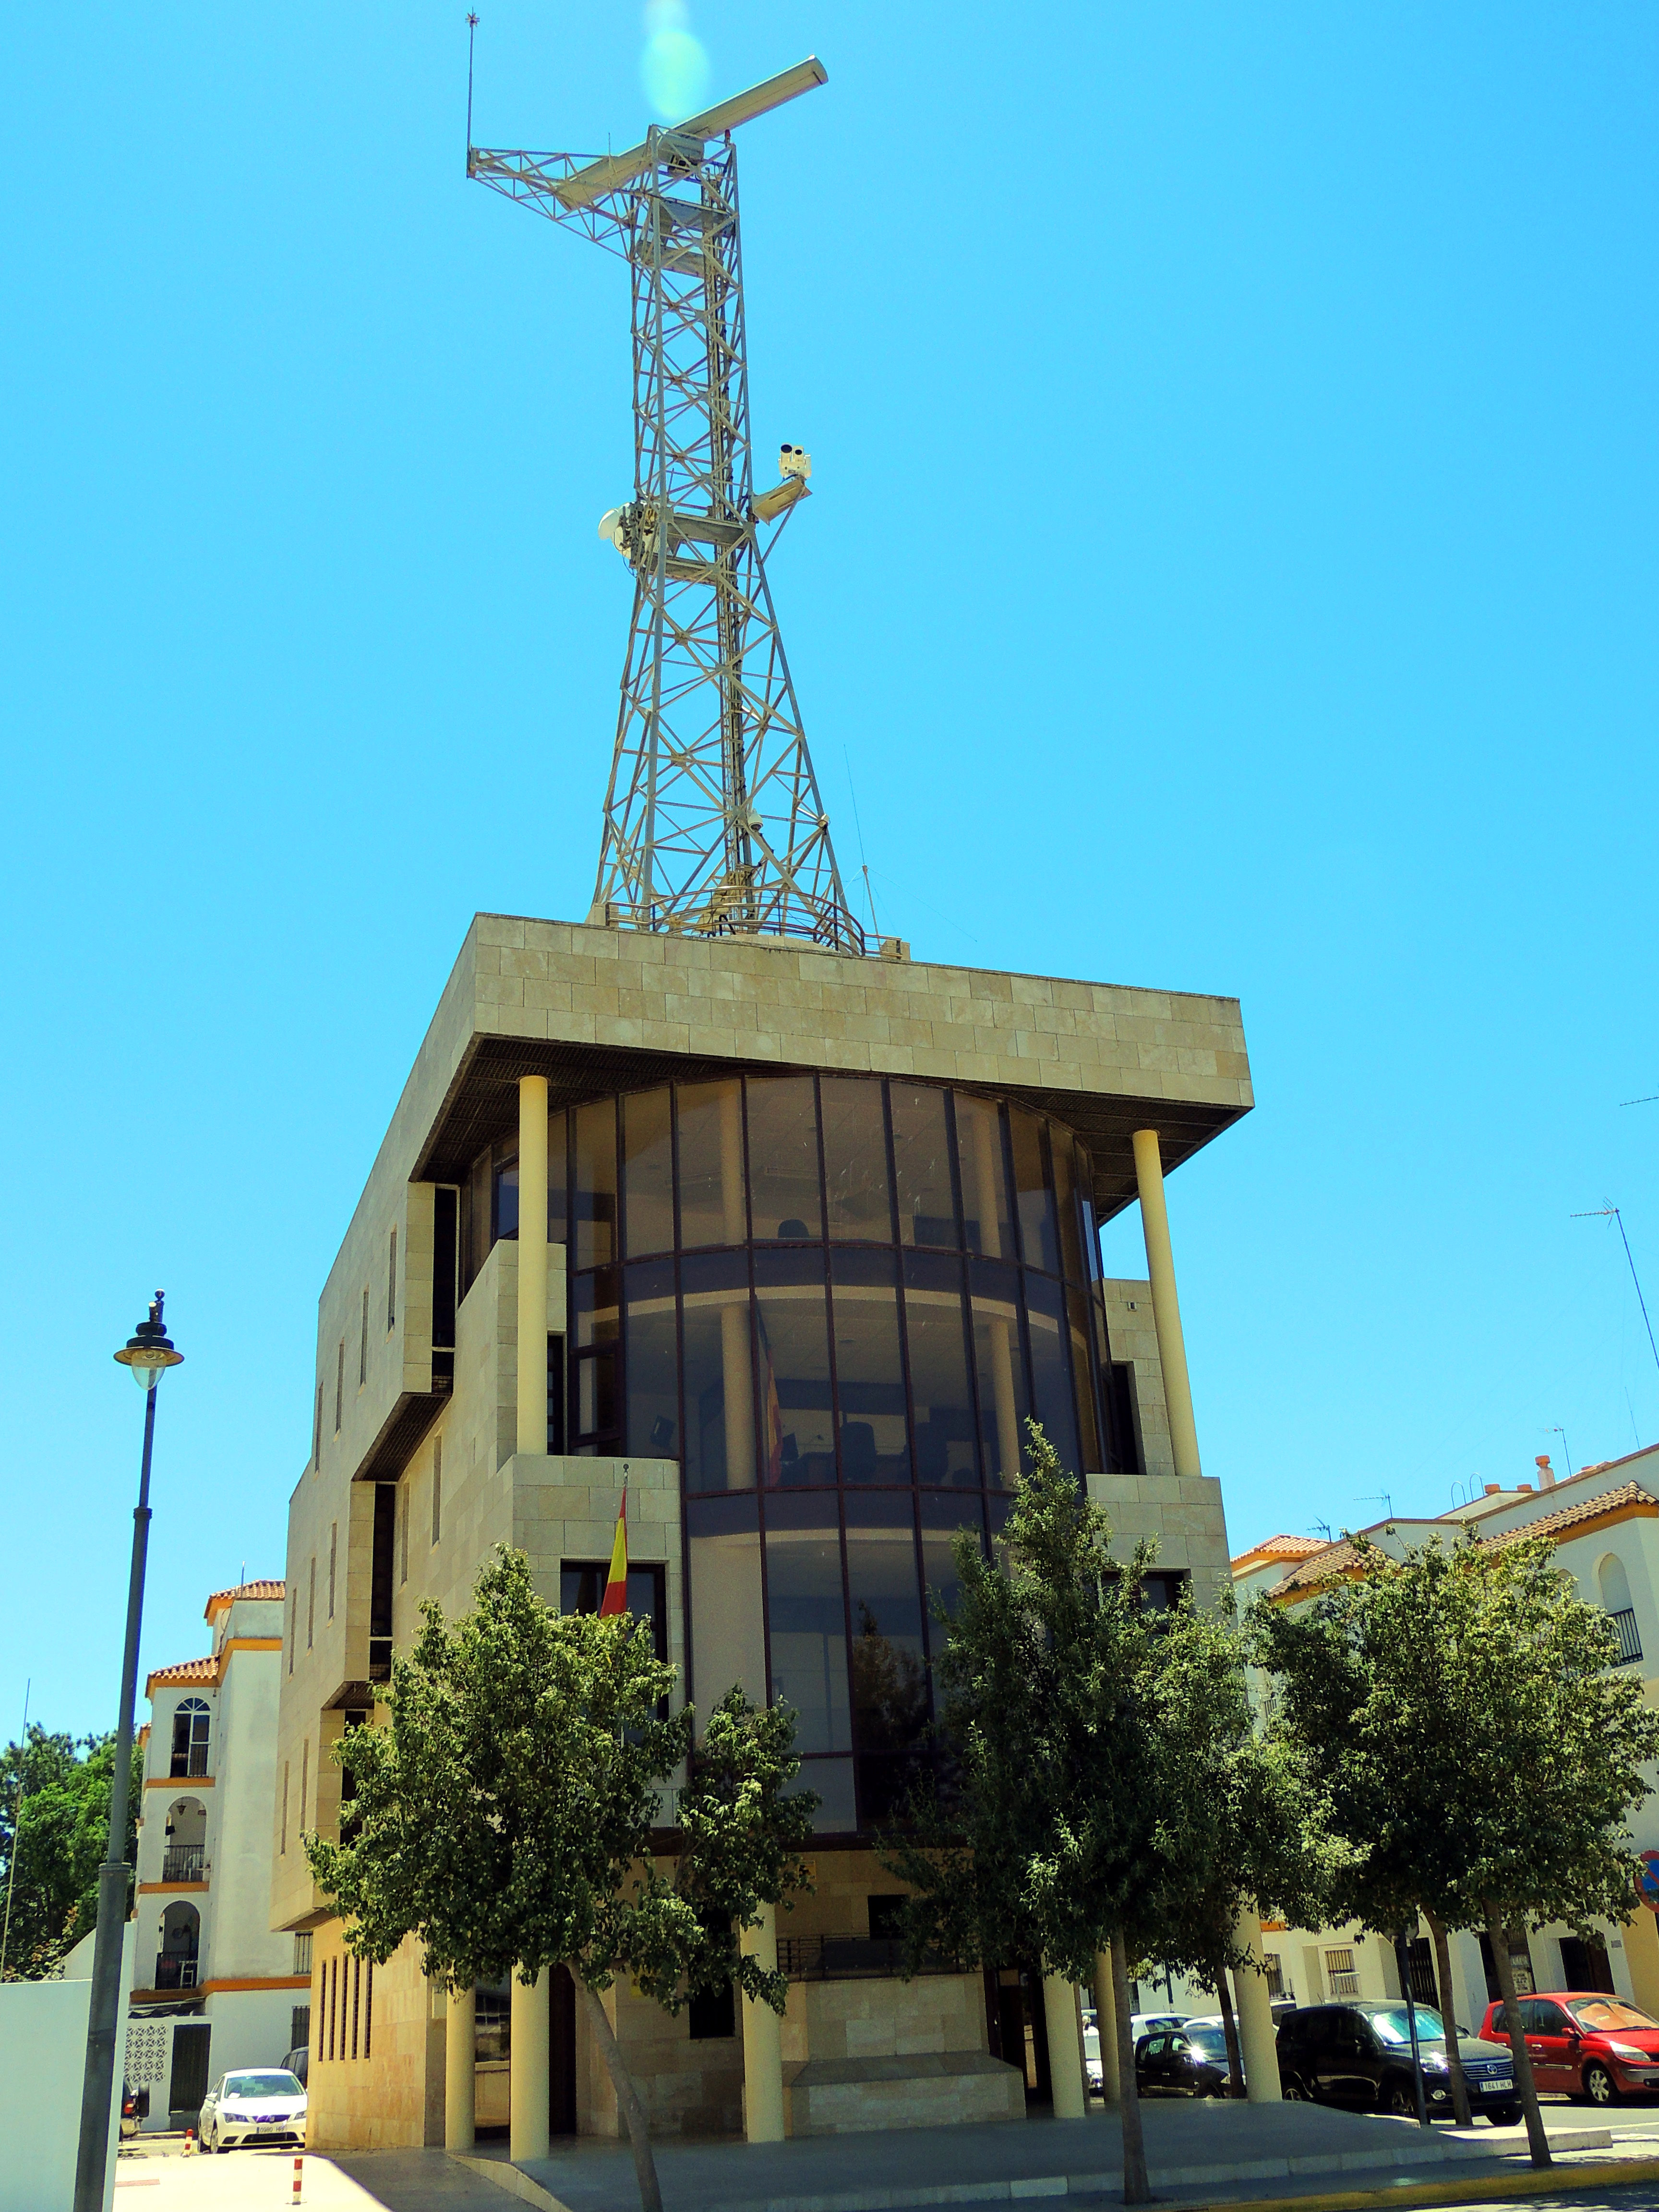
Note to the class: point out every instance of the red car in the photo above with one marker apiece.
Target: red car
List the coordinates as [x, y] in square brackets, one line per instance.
[1585, 2043]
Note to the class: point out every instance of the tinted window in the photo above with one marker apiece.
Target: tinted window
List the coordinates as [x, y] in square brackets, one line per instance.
[922, 1154]
[783, 1157]
[855, 1160]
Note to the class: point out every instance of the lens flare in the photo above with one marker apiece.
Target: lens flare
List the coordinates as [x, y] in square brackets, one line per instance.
[673, 69]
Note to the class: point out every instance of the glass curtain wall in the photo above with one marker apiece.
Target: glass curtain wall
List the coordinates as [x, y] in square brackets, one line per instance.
[835, 1300]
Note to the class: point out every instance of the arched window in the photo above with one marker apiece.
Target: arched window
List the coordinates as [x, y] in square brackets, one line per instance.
[182, 1858]
[190, 1737]
[1614, 1583]
[176, 1962]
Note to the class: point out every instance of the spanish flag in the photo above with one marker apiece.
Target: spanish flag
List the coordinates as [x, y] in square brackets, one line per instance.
[616, 1586]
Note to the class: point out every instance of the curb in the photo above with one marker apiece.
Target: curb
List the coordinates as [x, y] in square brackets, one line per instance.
[509, 2177]
[1474, 2189]
[1550, 2181]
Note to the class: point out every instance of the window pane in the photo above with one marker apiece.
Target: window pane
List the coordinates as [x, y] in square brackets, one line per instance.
[505, 1218]
[831, 1780]
[728, 1639]
[855, 1158]
[807, 1627]
[783, 1156]
[934, 1331]
[921, 1157]
[651, 1363]
[1085, 1184]
[869, 1371]
[1051, 1379]
[941, 1517]
[719, 1389]
[596, 1301]
[1036, 1206]
[1070, 1242]
[889, 1673]
[1077, 1313]
[711, 1163]
[793, 1343]
[596, 1183]
[989, 1225]
[999, 1369]
[647, 1173]
[595, 1306]
[558, 1168]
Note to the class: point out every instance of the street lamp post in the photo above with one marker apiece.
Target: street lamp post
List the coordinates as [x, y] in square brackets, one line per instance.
[147, 1352]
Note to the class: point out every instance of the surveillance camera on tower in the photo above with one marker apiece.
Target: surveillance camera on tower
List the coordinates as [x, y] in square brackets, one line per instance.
[794, 462]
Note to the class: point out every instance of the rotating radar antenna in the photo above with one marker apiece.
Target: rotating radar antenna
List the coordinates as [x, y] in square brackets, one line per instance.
[714, 824]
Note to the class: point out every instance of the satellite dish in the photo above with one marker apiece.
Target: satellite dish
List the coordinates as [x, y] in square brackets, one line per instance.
[611, 524]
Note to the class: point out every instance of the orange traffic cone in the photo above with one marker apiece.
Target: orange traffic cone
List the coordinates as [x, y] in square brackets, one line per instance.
[190, 2141]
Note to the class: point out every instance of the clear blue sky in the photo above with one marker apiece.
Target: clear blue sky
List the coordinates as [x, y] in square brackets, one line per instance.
[1232, 568]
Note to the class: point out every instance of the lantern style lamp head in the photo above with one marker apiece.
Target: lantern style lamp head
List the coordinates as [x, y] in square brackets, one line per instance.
[149, 1349]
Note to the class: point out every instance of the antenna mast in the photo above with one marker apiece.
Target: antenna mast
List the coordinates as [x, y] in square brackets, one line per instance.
[713, 825]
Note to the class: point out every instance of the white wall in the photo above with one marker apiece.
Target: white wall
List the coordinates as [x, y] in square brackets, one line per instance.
[238, 1940]
[43, 2060]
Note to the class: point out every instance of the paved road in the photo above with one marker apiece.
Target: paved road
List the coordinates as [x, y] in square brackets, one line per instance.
[159, 2178]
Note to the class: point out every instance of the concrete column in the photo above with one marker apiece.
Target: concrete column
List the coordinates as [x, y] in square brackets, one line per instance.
[1642, 1961]
[1064, 2047]
[533, 1263]
[529, 2083]
[461, 2074]
[738, 1383]
[1257, 2039]
[1166, 1308]
[1111, 2080]
[763, 2042]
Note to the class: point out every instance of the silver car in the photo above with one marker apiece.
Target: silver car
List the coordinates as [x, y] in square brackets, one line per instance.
[267, 2107]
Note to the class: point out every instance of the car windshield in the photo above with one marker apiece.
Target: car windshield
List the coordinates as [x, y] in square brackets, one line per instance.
[1599, 2012]
[261, 2085]
[1209, 2043]
[1394, 2026]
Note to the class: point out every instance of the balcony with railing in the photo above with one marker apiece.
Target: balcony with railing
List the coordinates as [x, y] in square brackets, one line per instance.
[182, 1863]
[1630, 1644]
[848, 1958]
[174, 1971]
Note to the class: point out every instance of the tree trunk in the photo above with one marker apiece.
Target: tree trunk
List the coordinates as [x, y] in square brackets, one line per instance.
[627, 2098]
[1537, 2142]
[1443, 1975]
[1229, 2029]
[1136, 2188]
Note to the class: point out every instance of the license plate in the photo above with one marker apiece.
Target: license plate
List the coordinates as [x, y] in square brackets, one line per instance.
[1497, 2081]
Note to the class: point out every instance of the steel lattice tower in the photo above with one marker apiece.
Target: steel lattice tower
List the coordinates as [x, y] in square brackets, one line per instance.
[713, 821]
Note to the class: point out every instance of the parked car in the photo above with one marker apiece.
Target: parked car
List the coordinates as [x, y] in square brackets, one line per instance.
[253, 2107]
[296, 2062]
[1141, 2024]
[1183, 2061]
[1359, 2055]
[135, 2109]
[1586, 2043]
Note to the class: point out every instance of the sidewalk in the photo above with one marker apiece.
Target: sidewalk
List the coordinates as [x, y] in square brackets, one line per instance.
[1213, 2153]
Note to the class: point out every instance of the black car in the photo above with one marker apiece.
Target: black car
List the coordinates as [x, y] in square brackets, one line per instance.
[1359, 2055]
[1182, 2061]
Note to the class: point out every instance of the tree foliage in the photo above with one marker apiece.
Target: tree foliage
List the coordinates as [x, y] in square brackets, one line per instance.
[504, 1816]
[58, 1840]
[1480, 1751]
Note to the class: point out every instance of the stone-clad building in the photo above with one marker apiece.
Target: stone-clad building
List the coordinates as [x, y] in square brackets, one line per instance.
[795, 1240]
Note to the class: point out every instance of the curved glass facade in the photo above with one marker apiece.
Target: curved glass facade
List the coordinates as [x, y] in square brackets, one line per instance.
[835, 1300]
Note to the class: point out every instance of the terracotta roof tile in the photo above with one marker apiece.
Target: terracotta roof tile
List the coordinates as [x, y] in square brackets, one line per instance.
[205, 1669]
[1281, 1547]
[224, 1597]
[1333, 1560]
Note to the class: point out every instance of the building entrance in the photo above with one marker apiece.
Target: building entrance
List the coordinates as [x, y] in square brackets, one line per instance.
[1018, 2028]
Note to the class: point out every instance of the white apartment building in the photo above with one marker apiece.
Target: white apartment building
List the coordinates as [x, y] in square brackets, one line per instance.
[1604, 1524]
[213, 1987]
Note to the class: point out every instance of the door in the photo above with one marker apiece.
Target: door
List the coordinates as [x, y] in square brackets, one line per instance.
[188, 2084]
[1347, 2070]
[1552, 2043]
[1152, 2067]
[1019, 2031]
[562, 2053]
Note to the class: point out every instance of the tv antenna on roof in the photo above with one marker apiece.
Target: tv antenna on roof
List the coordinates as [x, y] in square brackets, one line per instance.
[1609, 1211]
[713, 821]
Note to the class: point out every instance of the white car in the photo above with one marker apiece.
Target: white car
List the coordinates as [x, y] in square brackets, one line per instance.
[263, 2107]
[1140, 2023]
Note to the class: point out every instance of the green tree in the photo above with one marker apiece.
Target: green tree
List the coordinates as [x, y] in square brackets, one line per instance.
[1038, 1856]
[1480, 1752]
[1240, 1820]
[52, 1845]
[504, 1817]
